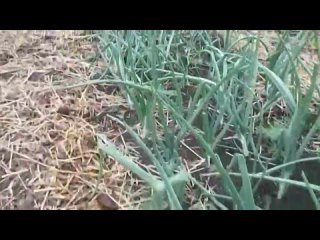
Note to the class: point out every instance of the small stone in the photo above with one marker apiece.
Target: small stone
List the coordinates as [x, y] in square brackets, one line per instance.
[106, 203]
[63, 110]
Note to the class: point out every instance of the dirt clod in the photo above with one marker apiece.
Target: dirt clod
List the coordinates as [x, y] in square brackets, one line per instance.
[65, 110]
[106, 203]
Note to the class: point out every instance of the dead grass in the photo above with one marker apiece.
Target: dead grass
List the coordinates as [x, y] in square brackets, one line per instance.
[48, 154]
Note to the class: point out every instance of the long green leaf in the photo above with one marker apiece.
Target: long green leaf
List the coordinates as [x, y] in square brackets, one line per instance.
[171, 193]
[311, 192]
[246, 189]
[283, 89]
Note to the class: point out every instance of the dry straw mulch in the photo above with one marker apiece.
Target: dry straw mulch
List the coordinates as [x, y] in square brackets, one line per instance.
[48, 156]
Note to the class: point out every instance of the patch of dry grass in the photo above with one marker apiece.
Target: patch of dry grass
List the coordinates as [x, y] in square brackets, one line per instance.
[48, 157]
